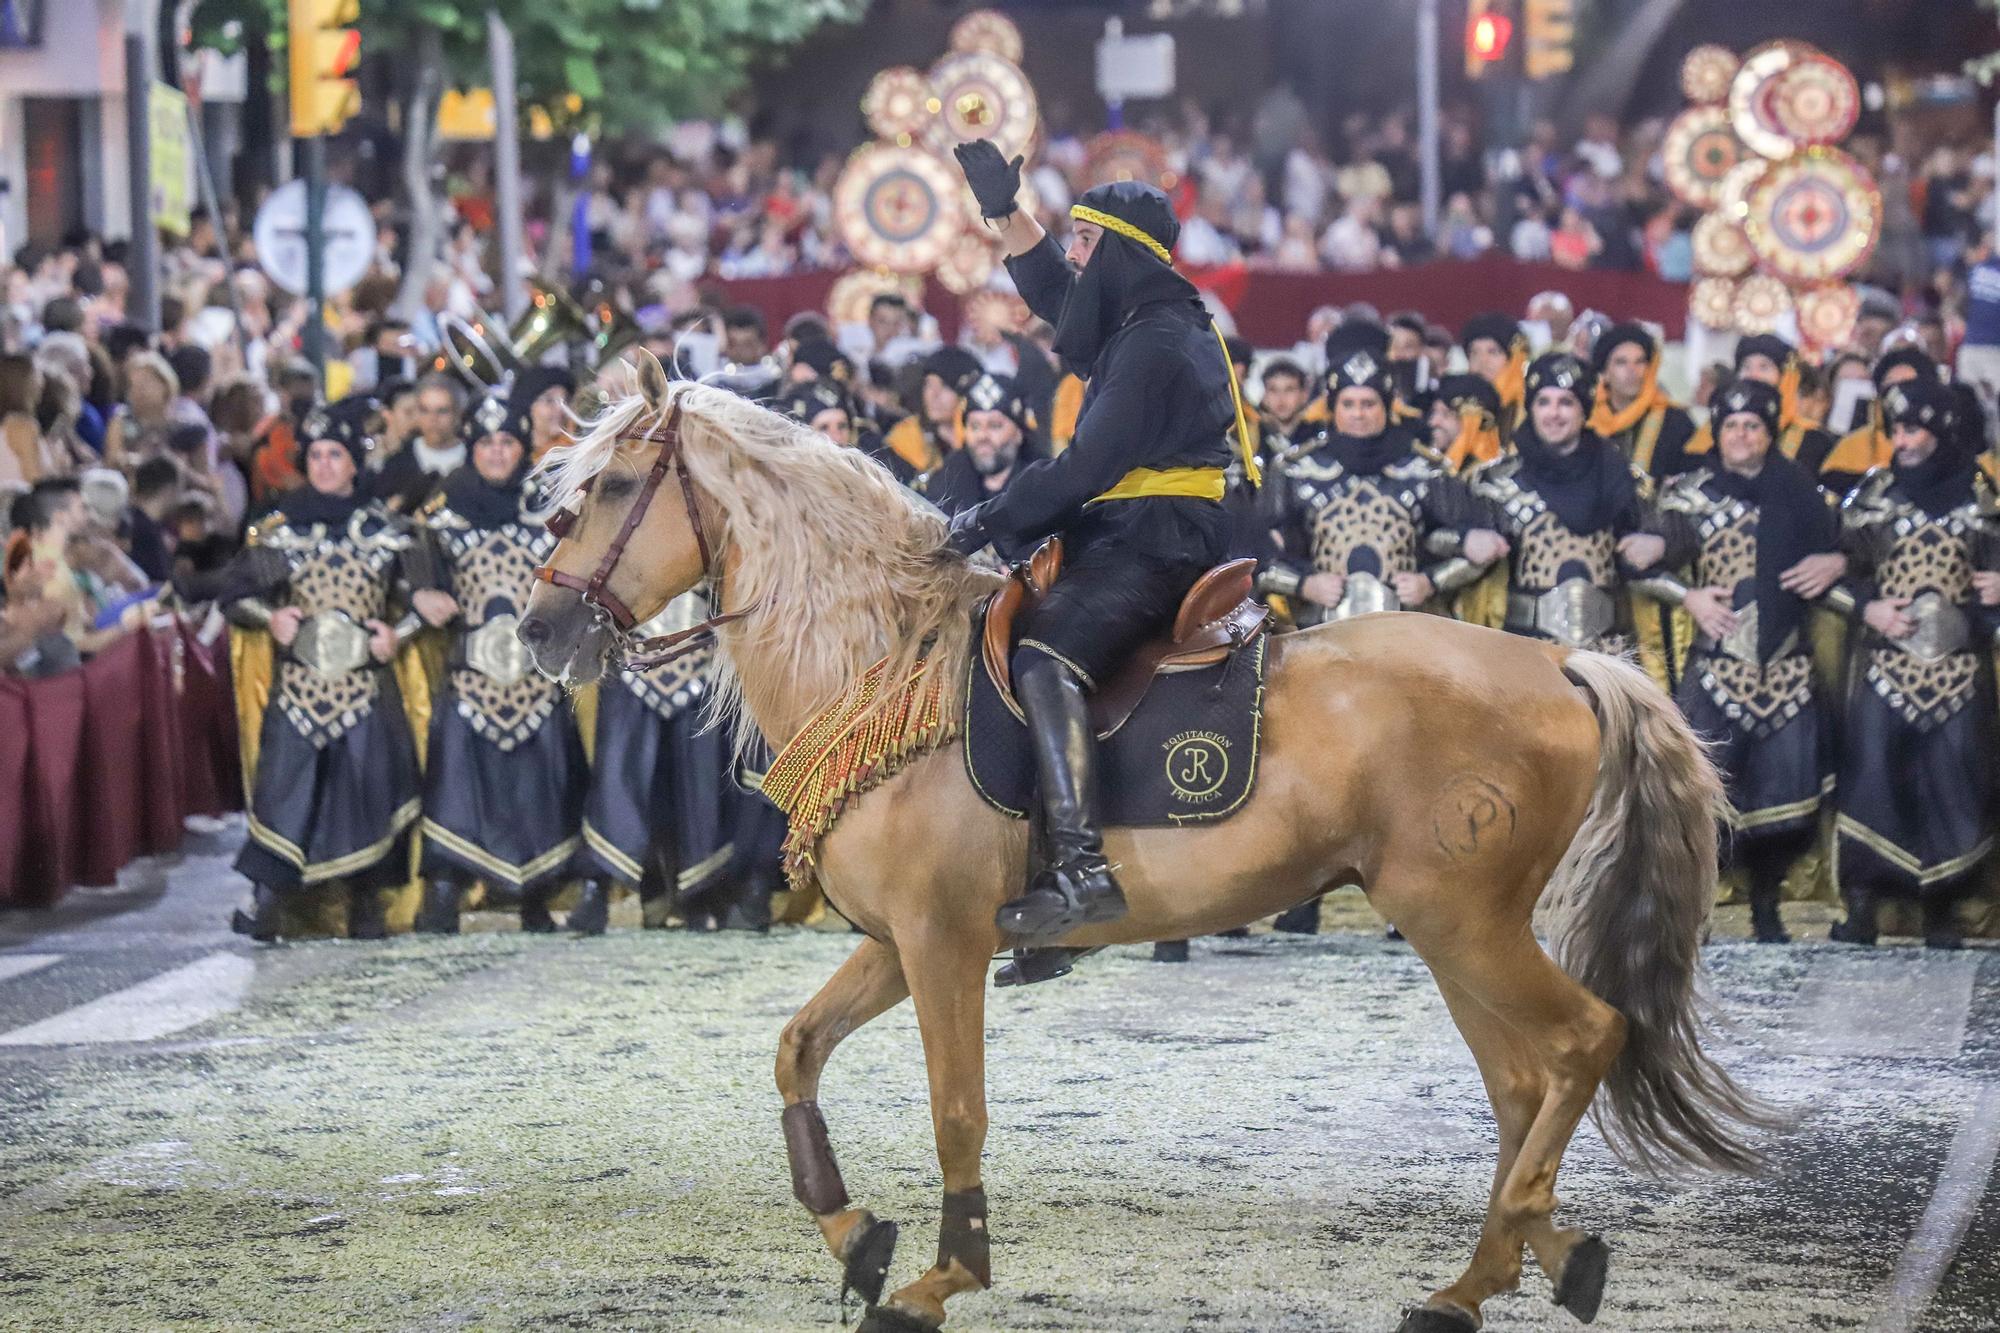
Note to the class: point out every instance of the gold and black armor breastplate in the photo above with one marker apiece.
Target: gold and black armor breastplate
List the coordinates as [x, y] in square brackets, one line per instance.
[1930, 675]
[493, 683]
[339, 580]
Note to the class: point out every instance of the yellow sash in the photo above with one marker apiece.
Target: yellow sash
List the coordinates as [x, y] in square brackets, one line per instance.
[1141, 483]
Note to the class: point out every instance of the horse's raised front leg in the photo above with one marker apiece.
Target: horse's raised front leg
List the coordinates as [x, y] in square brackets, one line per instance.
[867, 985]
[948, 983]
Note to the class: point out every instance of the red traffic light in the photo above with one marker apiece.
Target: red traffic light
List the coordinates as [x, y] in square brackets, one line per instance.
[1486, 36]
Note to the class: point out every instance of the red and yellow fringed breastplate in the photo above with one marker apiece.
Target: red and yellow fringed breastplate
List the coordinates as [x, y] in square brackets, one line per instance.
[848, 750]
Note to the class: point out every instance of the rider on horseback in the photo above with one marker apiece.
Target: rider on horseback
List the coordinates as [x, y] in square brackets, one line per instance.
[1136, 497]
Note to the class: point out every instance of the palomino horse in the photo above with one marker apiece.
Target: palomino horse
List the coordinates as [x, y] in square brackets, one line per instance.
[1459, 775]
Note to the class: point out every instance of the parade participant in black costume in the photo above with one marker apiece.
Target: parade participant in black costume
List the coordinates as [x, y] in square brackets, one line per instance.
[823, 404]
[1136, 497]
[1465, 422]
[1567, 507]
[1000, 437]
[504, 775]
[1368, 520]
[1496, 350]
[662, 816]
[1631, 409]
[538, 401]
[1769, 359]
[936, 430]
[1760, 542]
[408, 480]
[336, 787]
[1916, 769]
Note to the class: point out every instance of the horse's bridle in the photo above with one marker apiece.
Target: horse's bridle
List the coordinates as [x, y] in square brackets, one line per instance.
[641, 654]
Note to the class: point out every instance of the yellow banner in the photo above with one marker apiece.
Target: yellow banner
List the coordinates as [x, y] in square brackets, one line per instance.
[173, 160]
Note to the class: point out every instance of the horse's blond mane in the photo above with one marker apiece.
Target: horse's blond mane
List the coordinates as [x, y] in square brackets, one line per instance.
[843, 566]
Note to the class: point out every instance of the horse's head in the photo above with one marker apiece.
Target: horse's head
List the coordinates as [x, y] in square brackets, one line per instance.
[633, 535]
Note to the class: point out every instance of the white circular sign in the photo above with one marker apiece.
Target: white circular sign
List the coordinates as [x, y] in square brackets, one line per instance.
[280, 237]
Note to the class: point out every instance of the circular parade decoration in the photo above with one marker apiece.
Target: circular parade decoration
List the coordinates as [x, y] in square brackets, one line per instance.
[1127, 155]
[897, 208]
[1706, 74]
[968, 261]
[1761, 301]
[1699, 150]
[988, 30]
[1721, 249]
[1753, 93]
[978, 95]
[1712, 302]
[1732, 199]
[895, 103]
[1815, 218]
[1003, 310]
[1827, 314]
[852, 293]
[1816, 101]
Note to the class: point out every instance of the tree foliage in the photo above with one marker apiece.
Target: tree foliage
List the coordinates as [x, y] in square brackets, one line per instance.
[632, 63]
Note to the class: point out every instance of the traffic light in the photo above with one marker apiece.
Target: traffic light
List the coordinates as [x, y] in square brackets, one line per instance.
[1487, 30]
[1551, 37]
[324, 51]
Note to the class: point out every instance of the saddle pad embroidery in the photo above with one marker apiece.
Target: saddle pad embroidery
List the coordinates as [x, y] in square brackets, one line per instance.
[1187, 755]
[840, 755]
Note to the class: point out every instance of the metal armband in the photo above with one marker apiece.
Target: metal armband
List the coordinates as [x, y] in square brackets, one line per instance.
[1279, 582]
[331, 644]
[408, 628]
[250, 613]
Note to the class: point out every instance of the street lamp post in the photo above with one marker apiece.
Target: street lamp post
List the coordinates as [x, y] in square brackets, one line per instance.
[143, 263]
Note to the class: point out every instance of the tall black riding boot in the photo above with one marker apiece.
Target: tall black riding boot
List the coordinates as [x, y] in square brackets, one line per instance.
[365, 917]
[261, 922]
[1859, 928]
[592, 913]
[439, 914]
[535, 917]
[1075, 887]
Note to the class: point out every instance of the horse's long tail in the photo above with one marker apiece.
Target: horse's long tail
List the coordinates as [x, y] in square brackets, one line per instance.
[1629, 904]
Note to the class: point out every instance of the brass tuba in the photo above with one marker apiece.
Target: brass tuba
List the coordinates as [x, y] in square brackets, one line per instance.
[475, 351]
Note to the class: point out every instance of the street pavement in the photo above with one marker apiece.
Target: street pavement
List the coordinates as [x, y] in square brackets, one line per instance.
[514, 1132]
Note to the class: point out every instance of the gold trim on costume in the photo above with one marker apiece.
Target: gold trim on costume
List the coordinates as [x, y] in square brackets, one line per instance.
[518, 876]
[625, 866]
[1848, 826]
[275, 842]
[695, 873]
[1777, 813]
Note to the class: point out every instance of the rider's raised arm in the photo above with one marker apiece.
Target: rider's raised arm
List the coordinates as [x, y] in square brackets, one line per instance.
[1043, 277]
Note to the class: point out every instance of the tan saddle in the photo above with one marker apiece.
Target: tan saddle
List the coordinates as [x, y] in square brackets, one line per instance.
[1217, 617]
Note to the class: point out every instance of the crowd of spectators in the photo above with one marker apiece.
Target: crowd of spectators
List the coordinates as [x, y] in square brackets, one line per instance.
[178, 436]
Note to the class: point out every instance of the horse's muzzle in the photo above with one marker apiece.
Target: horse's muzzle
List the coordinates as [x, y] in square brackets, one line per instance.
[566, 640]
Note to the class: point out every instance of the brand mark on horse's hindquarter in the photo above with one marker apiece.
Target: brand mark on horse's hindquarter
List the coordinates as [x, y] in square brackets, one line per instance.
[1472, 813]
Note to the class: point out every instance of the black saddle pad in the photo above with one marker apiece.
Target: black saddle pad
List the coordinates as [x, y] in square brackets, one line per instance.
[1187, 754]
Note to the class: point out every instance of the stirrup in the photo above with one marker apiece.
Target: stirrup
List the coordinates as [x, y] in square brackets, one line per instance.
[1029, 966]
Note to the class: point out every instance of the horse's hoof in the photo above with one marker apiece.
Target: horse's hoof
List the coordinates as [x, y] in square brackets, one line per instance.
[868, 1259]
[888, 1319]
[1437, 1319]
[1580, 1289]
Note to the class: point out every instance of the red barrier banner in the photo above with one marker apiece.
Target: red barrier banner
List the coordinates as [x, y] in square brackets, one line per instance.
[103, 764]
[1270, 309]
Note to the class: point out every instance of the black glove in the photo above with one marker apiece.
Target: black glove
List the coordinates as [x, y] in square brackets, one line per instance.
[968, 533]
[994, 180]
